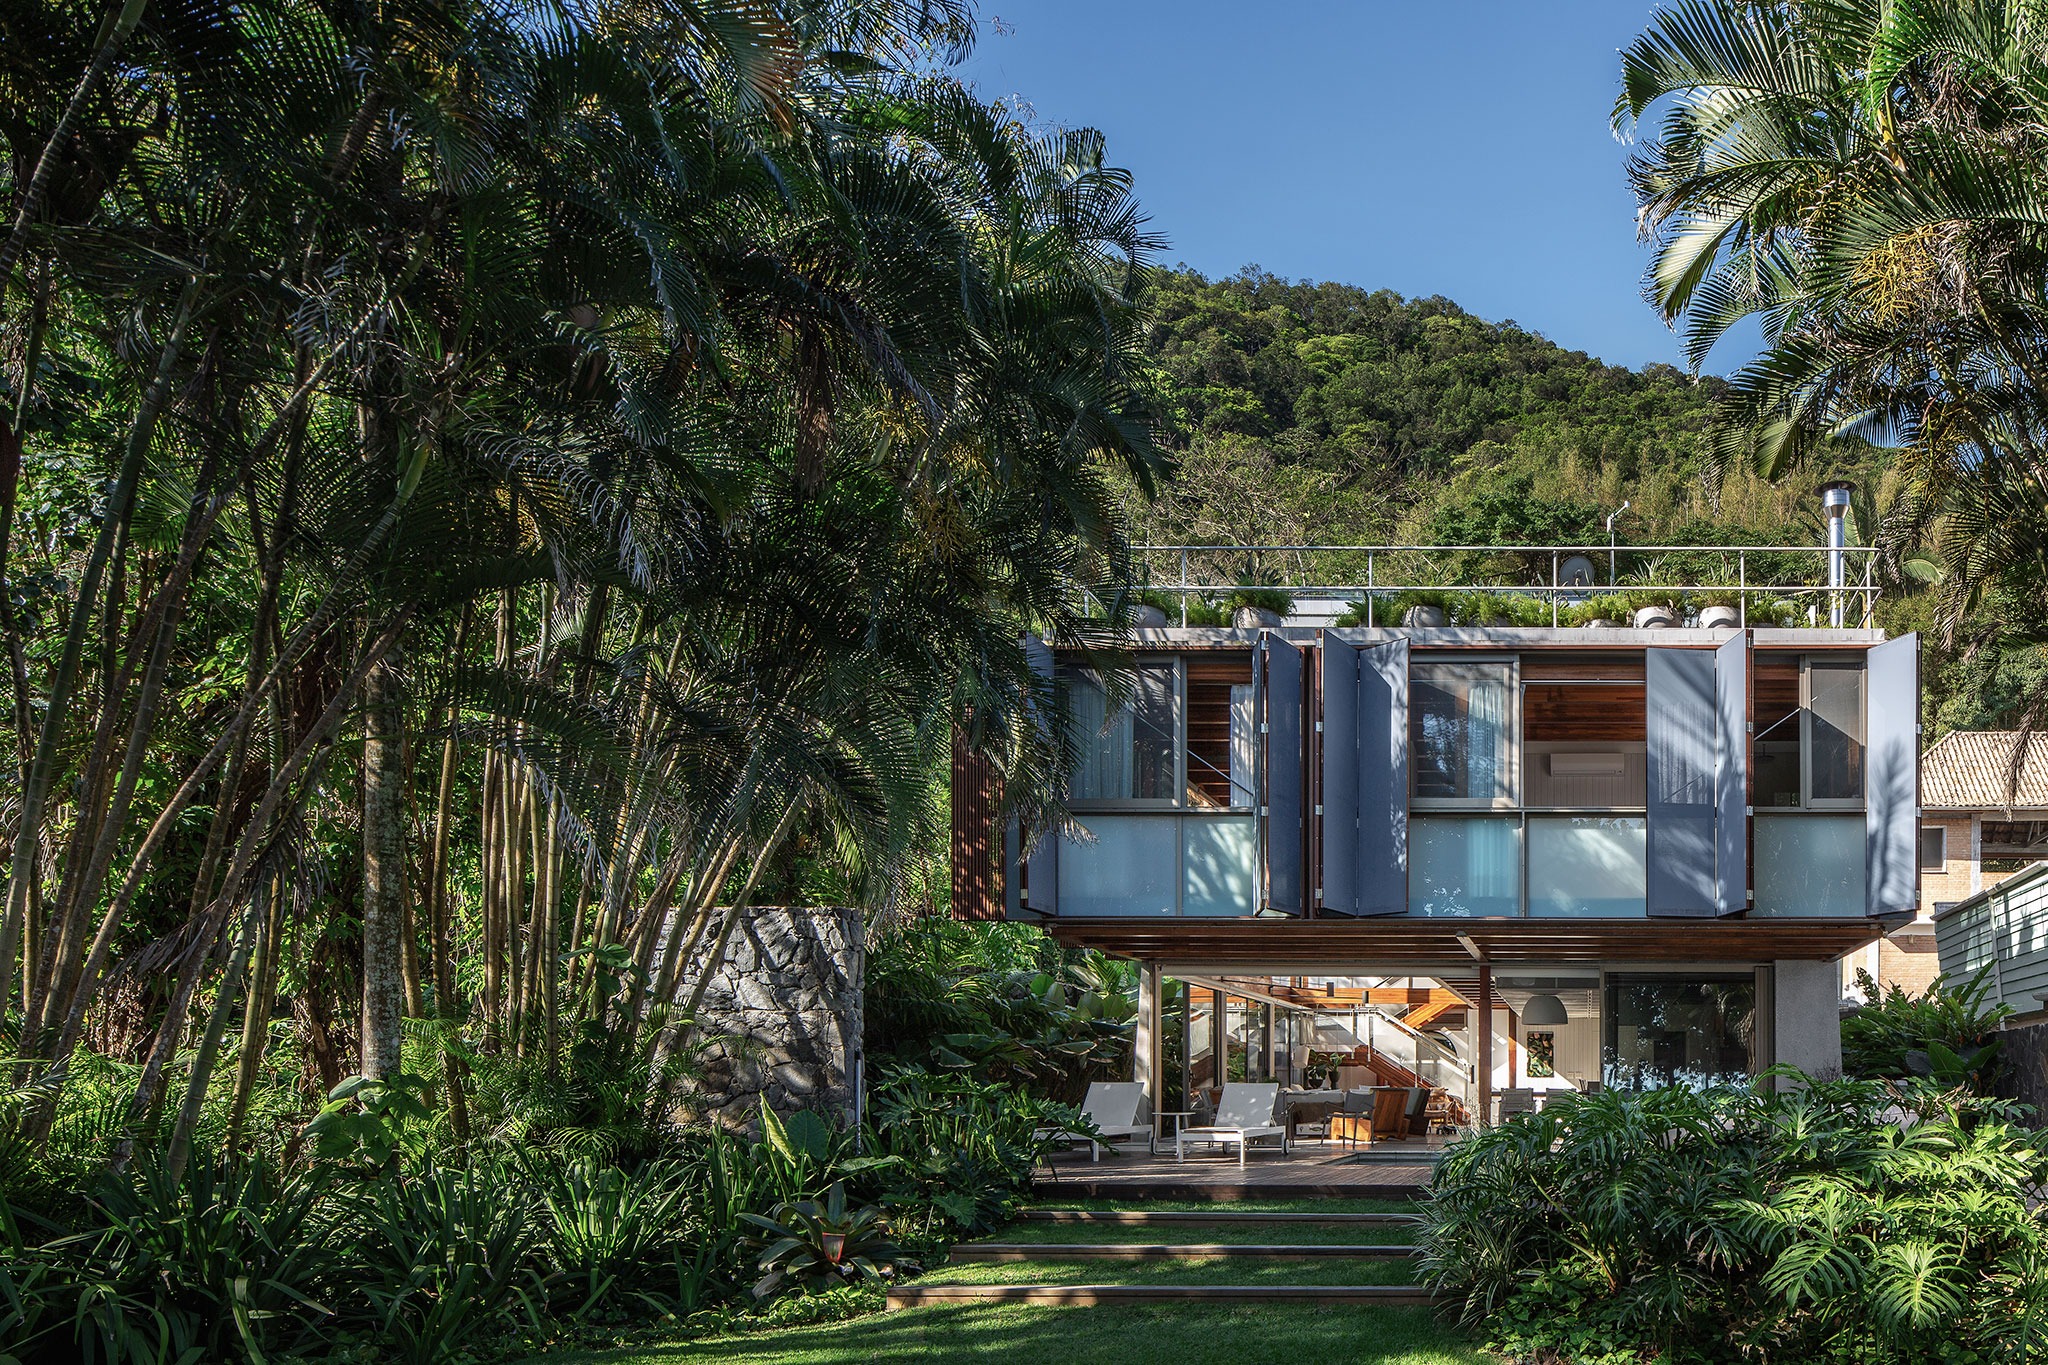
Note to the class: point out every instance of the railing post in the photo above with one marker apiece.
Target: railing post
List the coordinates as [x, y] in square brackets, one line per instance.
[1742, 588]
[1183, 587]
[1553, 590]
[1370, 604]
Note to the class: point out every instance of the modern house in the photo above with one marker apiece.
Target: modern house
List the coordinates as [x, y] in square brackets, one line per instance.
[1662, 842]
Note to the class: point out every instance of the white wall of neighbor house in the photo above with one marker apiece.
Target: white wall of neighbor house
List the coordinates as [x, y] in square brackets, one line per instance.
[1806, 1017]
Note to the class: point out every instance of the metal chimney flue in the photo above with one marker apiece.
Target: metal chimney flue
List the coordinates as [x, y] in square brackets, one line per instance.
[1834, 505]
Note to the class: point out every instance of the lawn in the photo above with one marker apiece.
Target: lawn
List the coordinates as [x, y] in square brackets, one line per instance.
[1232, 1234]
[1209, 1271]
[1177, 1334]
[1126, 1334]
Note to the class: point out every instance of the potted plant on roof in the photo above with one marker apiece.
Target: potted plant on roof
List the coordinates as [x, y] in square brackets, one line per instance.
[1718, 610]
[1260, 608]
[1603, 611]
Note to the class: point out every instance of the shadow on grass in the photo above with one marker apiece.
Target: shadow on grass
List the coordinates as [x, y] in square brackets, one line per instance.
[1250, 1334]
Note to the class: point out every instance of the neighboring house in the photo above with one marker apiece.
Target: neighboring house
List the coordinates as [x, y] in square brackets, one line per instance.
[2000, 936]
[1983, 819]
[1660, 841]
[2001, 933]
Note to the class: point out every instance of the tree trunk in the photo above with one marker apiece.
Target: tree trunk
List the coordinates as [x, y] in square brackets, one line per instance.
[383, 870]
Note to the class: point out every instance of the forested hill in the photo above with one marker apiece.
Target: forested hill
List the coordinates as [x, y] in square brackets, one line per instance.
[1367, 415]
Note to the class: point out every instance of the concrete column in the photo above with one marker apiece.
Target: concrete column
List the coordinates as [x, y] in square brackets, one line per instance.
[1482, 1019]
[1806, 1017]
[1145, 1040]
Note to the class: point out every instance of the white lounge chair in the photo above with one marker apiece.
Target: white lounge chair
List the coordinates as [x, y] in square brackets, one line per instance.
[1243, 1116]
[1116, 1108]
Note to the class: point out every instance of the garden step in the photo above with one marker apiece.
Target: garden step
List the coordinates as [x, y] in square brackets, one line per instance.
[1087, 1295]
[1201, 1217]
[1163, 1251]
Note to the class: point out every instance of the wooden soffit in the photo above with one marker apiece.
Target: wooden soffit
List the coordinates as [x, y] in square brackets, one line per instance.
[1390, 944]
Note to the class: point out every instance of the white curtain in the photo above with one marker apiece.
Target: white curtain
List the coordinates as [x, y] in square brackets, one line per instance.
[1486, 727]
[1105, 770]
[1244, 751]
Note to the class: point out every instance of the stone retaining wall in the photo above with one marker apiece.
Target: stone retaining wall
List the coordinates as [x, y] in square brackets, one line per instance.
[785, 1009]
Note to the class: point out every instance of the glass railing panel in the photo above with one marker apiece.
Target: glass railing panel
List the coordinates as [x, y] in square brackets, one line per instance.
[1218, 854]
[1589, 865]
[1128, 869]
[1809, 865]
[1464, 866]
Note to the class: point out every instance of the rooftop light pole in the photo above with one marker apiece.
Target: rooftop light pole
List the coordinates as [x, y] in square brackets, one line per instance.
[1626, 504]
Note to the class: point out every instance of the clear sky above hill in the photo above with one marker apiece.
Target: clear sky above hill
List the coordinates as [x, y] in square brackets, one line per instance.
[1456, 147]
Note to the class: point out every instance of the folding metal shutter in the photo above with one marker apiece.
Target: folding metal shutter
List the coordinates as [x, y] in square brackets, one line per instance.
[1283, 828]
[1891, 798]
[1680, 685]
[1731, 776]
[1042, 865]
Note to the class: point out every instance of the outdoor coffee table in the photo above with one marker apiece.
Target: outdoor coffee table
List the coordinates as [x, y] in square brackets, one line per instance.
[1180, 1118]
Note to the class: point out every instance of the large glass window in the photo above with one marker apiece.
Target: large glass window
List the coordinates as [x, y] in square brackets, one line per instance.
[1664, 1030]
[1809, 733]
[1586, 865]
[1835, 732]
[1130, 746]
[1809, 865]
[1461, 720]
[1469, 866]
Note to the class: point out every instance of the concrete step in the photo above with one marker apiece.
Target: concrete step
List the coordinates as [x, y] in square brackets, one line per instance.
[1208, 1217]
[1167, 1251]
[1090, 1295]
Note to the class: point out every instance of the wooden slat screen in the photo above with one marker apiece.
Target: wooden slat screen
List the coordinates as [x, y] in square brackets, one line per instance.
[977, 838]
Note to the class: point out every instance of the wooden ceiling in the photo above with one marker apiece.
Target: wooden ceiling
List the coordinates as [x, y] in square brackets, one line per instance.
[1397, 942]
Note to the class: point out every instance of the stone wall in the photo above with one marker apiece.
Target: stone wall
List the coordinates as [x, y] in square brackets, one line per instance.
[783, 1016]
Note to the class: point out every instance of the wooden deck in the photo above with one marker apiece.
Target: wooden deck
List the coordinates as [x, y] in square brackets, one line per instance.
[1311, 1171]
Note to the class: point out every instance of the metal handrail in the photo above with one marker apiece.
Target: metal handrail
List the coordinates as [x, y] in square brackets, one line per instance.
[1556, 590]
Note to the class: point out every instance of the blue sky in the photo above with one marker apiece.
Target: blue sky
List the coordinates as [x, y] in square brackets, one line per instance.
[1459, 147]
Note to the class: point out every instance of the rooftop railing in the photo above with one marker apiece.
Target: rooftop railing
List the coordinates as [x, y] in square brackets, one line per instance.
[1814, 584]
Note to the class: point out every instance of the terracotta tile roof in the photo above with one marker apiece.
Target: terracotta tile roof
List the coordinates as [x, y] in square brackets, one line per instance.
[1972, 770]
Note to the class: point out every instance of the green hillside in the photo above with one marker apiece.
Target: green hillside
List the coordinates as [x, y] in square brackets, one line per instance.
[1334, 412]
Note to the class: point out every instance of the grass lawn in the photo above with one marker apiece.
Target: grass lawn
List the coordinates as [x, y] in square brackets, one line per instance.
[1178, 1334]
[1292, 1234]
[1172, 1272]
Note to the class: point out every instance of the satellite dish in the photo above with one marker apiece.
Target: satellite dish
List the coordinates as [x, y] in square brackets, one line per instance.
[1576, 572]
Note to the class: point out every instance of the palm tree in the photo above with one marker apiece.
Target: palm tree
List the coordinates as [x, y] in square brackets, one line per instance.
[647, 431]
[1864, 180]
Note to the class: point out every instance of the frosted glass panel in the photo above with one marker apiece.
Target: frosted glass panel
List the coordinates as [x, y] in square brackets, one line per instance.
[1464, 867]
[1809, 865]
[1586, 865]
[1217, 865]
[1128, 869]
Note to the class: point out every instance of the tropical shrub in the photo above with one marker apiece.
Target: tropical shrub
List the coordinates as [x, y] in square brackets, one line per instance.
[818, 1244]
[999, 1002]
[1839, 1221]
[1947, 1034]
[953, 1156]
